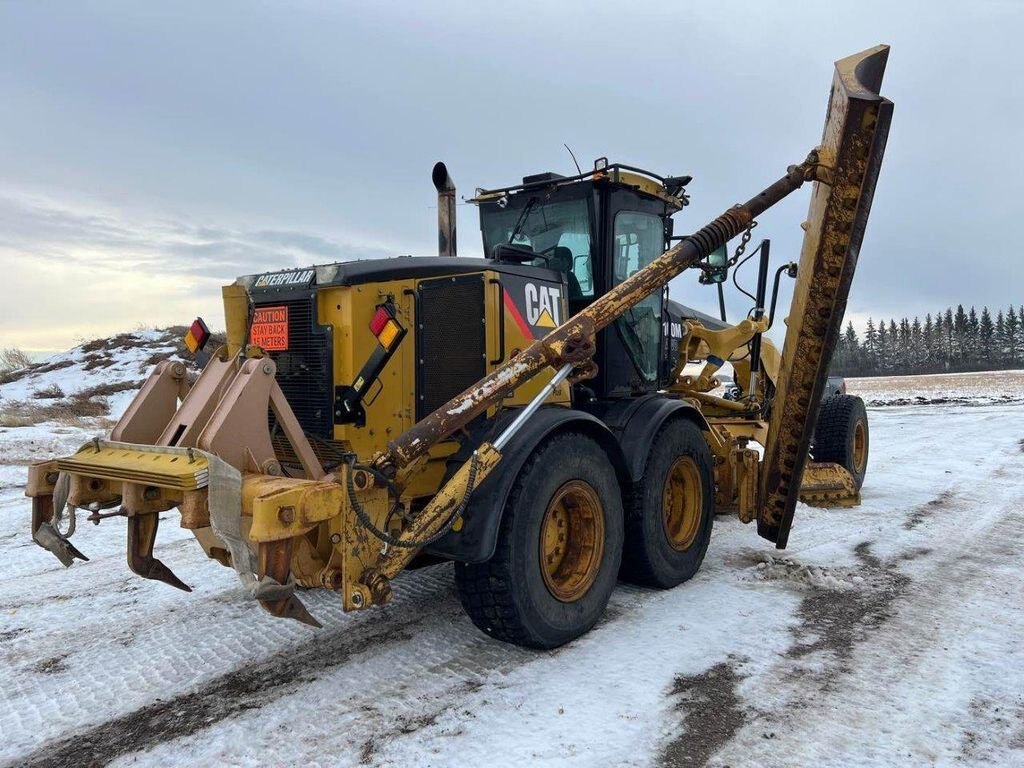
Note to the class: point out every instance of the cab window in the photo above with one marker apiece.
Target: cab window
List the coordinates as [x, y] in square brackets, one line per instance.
[558, 231]
[639, 239]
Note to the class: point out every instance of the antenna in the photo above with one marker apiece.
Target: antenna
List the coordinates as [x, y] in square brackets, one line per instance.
[573, 159]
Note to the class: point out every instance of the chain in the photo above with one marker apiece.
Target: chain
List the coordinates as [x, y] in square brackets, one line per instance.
[743, 244]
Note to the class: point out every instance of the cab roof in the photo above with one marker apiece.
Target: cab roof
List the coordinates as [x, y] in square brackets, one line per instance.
[667, 189]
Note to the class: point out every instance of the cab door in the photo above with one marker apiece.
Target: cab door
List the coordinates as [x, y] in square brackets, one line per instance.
[632, 345]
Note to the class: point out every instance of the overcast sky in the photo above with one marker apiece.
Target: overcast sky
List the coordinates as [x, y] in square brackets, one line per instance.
[149, 153]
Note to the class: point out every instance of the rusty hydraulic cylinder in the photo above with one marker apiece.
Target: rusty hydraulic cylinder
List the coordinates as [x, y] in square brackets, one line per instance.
[856, 128]
[558, 346]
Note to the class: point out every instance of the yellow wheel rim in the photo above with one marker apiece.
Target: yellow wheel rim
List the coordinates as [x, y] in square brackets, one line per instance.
[860, 446]
[572, 541]
[682, 503]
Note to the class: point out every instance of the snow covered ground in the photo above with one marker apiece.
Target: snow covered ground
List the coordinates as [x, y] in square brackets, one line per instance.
[983, 388]
[888, 634]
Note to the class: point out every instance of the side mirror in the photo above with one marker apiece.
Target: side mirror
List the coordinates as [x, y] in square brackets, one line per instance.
[718, 263]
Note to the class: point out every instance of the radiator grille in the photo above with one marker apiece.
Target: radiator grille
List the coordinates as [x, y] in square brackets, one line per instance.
[304, 369]
[450, 340]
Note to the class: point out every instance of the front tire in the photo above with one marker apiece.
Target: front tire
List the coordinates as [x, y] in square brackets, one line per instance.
[842, 437]
[671, 511]
[559, 549]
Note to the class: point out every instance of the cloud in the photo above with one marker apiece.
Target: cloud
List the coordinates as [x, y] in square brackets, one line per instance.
[75, 271]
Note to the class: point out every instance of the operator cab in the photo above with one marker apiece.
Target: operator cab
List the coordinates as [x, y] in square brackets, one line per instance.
[597, 229]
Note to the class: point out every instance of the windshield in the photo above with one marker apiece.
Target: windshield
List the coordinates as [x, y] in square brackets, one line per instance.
[557, 231]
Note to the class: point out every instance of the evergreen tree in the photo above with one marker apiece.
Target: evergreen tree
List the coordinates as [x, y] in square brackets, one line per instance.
[918, 352]
[986, 333]
[894, 358]
[1020, 335]
[851, 350]
[871, 346]
[1012, 333]
[948, 329]
[960, 333]
[883, 347]
[972, 348]
[929, 342]
[1000, 338]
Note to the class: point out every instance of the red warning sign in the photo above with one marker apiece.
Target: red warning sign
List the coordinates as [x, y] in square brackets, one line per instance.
[270, 328]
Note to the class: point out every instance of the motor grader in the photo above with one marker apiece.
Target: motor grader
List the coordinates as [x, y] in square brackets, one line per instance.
[541, 416]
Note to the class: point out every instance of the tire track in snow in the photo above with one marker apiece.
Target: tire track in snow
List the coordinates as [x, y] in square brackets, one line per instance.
[249, 687]
[948, 549]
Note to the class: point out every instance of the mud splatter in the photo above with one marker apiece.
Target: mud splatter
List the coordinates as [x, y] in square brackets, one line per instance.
[712, 715]
[51, 666]
[837, 620]
[926, 510]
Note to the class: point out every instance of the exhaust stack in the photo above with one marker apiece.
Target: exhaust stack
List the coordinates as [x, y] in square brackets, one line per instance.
[445, 210]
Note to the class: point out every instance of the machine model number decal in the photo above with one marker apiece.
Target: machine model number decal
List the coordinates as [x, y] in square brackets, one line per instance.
[270, 328]
[301, 277]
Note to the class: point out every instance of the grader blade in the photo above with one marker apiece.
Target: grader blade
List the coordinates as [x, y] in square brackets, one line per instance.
[828, 485]
[856, 128]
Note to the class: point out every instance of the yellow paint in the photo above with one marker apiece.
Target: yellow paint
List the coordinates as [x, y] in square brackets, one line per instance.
[545, 320]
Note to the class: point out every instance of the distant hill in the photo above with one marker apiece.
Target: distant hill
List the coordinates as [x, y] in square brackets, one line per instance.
[92, 382]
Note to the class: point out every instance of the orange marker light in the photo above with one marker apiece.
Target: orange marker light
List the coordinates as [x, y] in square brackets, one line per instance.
[197, 336]
[388, 334]
[385, 327]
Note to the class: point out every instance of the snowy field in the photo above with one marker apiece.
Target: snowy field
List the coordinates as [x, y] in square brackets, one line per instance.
[987, 388]
[888, 634]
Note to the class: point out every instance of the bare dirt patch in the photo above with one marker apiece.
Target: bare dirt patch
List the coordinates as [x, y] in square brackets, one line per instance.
[836, 621]
[94, 361]
[10, 376]
[51, 392]
[926, 510]
[51, 666]
[712, 714]
[10, 634]
[105, 390]
[997, 723]
[73, 411]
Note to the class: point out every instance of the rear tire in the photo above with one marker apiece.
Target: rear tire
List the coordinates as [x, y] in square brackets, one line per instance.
[671, 511]
[558, 552]
[842, 436]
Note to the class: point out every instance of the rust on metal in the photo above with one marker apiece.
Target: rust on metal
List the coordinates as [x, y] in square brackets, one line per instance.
[141, 535]
[446, 245]
[856, 129]
[274, 560]
[827, 484]
[466, 406]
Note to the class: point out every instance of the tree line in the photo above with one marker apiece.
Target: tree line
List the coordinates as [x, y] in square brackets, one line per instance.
[951, 341]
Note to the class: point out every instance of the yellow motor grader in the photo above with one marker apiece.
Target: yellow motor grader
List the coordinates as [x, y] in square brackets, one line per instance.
[544, 416]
